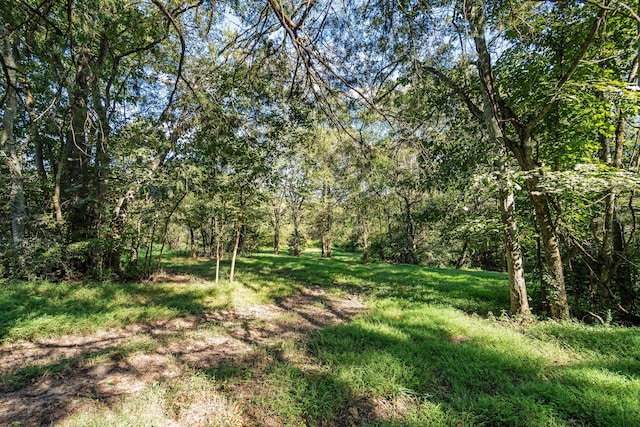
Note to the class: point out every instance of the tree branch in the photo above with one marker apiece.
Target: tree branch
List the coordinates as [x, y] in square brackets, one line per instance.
[567, 76]
[183, 49]
[459, 90]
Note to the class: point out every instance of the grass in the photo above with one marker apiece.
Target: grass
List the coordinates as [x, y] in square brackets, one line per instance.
[31, 310]
[179, 400]
[433, 349]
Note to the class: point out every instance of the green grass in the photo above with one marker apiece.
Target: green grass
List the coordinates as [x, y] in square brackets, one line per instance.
[433, 349]
[33, 310]
[276, 276]
[495, 376]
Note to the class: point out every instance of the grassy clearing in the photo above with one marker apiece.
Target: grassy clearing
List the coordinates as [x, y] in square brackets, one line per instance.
[431, 339]
[432, 350]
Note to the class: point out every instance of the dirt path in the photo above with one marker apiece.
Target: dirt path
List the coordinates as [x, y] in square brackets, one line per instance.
[46, 381]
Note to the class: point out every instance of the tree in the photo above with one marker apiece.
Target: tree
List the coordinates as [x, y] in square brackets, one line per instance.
[9, 149]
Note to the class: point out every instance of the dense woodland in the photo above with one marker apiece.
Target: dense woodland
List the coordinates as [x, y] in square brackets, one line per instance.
[498, 134]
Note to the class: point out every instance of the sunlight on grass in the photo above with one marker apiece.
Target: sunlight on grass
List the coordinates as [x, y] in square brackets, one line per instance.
[180, 402]
[420, 340]
[483, 366]
[32, 310]
[296, 395]
[433, 348]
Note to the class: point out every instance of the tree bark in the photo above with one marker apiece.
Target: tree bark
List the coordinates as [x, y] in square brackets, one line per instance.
[10, 154]
[464, 256]
[236, 245]
[277, 218]
[556, 291]
[612, 246]
[135, 244]
[235, 253]
[56, 198]
[515, 263]
[76, 176]
[148, 257]
[219, 231]
[193, 242]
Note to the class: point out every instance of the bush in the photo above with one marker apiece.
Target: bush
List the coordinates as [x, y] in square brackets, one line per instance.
[396, 250]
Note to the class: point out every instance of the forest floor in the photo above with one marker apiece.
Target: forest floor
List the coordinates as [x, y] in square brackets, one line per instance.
[90, 372]
[304, 341]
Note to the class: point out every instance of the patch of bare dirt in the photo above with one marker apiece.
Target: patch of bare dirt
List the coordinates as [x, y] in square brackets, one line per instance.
[105, 367]
[458, 339]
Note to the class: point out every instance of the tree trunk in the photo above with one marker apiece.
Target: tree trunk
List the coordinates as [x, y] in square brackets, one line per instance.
[295, 215]
[135, 245]
[212, 239]
[203, 235]
[76, 176]
[37, 142]
[364, 236]
[464, 256]
[605, 255]
[56, 198]
[193, 242]
[11, 156]
[219, 226]
[277, 217]
[556, 291]
[387, 215]
[492, 112]
[515, 267]
[236, 246]
[612, 249]
[99, 176]
[235, 253]
[296, 237]
[544, 300]
[411, 230]
[148, 257]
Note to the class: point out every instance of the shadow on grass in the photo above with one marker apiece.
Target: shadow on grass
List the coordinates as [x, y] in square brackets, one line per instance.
[413, 361]
[43, 394]
[277, 390]
[477, 381]
[467, 380]
[29, 310]
[471, 291]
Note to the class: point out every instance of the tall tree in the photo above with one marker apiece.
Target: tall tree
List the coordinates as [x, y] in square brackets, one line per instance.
[9, 148]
